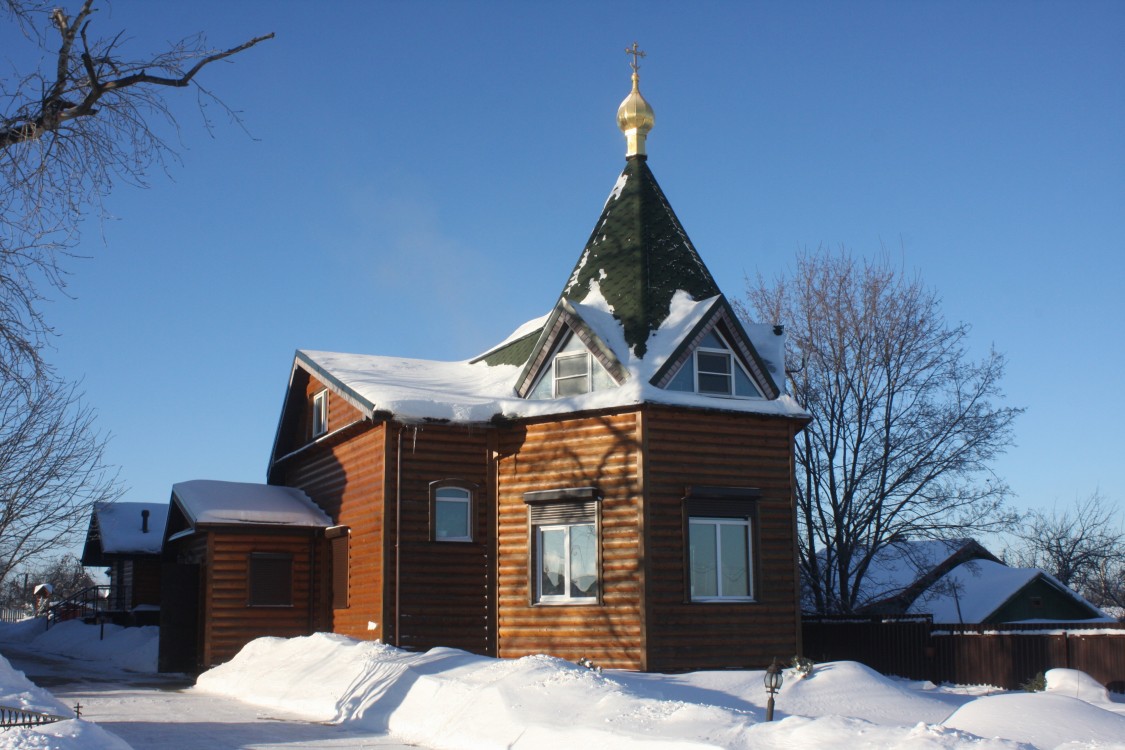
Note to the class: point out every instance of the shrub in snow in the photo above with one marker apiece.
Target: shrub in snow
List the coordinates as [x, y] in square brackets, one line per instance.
[1036, 684]
[802, 665]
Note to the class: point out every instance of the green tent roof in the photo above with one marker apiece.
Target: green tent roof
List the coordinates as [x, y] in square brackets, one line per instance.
[639, 255]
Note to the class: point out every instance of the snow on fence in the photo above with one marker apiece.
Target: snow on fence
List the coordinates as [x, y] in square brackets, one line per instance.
[1006, 656]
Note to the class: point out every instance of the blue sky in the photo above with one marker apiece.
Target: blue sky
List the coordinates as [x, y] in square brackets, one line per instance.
[419, 179]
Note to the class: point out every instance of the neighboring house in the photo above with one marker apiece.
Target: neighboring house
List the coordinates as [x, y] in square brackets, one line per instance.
[613, 481]
[988, 592]
[959, 581]
[125, 538]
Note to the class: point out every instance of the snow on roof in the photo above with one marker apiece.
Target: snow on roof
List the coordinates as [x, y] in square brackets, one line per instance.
[120, 527]
[473, 391]
[210, 501]
[975, 589]
[899, 564]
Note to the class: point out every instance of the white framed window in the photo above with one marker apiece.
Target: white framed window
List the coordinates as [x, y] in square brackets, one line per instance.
[565, 560]
[714, 370]
[319, 421]
[573, 371]
[451, 513]
[567, 563]
[719, 552]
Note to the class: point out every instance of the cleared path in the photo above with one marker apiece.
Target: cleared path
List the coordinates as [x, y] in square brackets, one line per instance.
[160, 712]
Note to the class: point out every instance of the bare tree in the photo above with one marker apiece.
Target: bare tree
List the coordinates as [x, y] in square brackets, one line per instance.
[71, 127]
[67, 131]
[1082, 545]
[51, 470]
[904, 423]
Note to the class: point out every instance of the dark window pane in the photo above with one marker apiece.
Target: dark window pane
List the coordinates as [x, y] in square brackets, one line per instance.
[710, 362]
[714, 383]
[271, 580]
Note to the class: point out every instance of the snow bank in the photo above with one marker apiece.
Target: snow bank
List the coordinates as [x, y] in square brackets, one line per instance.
[450, 699]
[17, 691]
[1045, 720]
[133, 649]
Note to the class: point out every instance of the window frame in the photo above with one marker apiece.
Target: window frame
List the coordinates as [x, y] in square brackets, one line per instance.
[588, 375]
[470, 490]
[729, 506]
[562, 509]
[254, 585]
[318, 420]
[718, 524]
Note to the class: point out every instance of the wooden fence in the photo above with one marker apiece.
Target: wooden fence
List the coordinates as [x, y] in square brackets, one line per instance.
[1006, 656]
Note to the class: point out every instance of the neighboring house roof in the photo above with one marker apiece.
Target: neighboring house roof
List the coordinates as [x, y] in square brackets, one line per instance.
[117, 530]
[211, 502]
[902, 570]
[975, 591]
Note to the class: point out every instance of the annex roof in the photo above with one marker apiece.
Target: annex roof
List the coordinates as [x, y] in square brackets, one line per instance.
[213, 502]
[118, 530]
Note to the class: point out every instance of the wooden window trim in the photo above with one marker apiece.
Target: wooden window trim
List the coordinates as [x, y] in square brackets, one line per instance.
[339, 547]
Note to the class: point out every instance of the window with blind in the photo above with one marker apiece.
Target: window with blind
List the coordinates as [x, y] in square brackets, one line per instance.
[565, 546]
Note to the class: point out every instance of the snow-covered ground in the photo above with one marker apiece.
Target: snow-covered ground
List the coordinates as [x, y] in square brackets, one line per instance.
[451, 699]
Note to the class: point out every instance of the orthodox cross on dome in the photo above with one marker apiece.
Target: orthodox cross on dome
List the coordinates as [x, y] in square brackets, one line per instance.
[636, 53]
[635, 117]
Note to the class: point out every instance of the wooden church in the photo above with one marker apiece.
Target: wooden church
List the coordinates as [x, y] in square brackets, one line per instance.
[614, 481]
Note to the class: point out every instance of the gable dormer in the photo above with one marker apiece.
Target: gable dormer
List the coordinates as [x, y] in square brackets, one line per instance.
[569, 359]
[717, 358]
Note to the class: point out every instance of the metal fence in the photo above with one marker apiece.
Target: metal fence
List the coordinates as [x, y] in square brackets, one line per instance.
[11, 716]
[1006, 656]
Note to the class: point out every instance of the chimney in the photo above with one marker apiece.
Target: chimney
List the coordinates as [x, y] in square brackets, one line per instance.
[144, 520]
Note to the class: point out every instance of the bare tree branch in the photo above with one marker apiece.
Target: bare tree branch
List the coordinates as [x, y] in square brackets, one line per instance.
[70, 129]
[903, 427]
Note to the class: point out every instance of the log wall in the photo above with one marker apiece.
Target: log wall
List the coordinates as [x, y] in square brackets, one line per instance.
[229, 623]
[600, 451]
[444, 597]
[700, 448]
[347, 478]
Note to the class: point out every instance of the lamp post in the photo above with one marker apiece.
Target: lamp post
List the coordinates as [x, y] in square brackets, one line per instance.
[772, 681]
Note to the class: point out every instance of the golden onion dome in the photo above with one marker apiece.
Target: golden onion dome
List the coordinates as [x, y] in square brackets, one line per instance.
[635, 118]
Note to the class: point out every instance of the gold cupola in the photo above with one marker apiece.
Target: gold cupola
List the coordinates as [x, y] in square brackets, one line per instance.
[635, 117]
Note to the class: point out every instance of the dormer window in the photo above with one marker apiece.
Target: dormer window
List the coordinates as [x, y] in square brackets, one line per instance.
[319, 421]
[573, 371]
[714, 370]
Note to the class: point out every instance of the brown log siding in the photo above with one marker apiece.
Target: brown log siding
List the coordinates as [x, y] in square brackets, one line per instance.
[229, 623]
[444, 586]
[699, 448]
[348, 481]
[600, 451]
